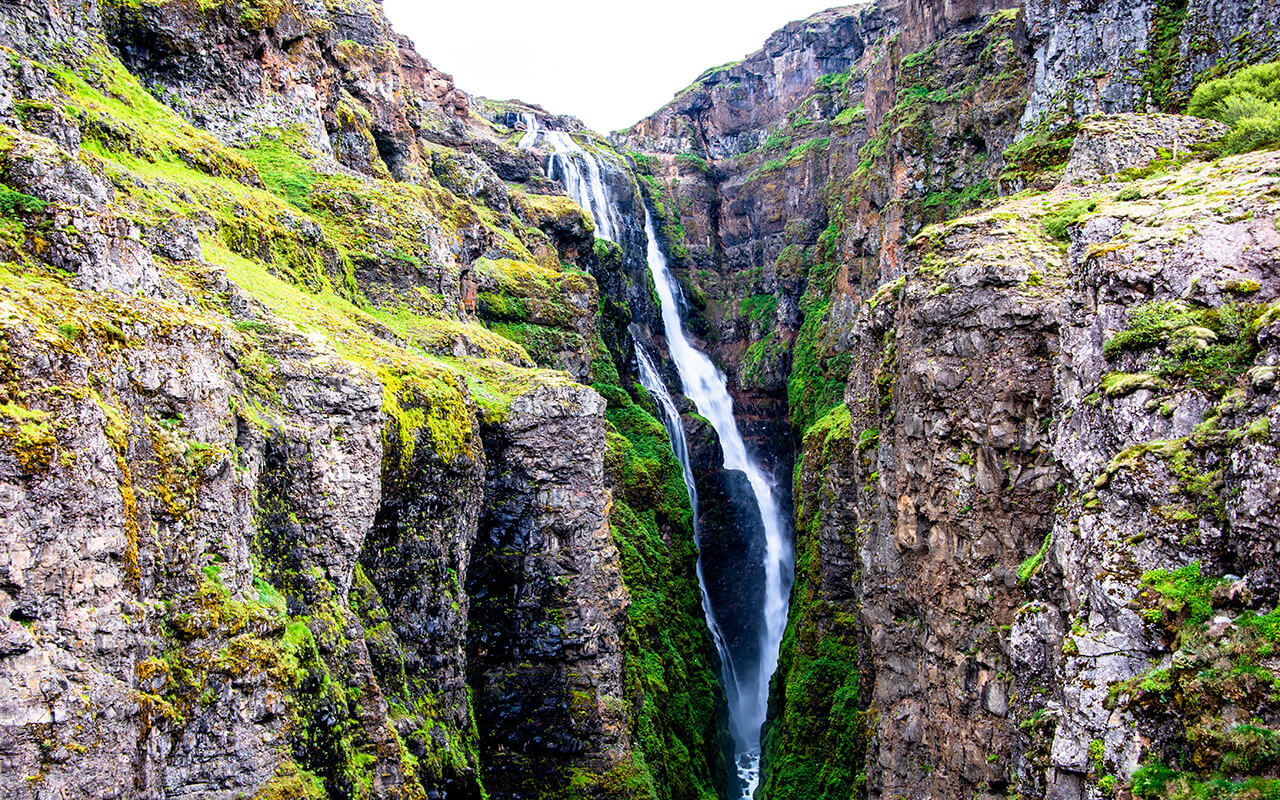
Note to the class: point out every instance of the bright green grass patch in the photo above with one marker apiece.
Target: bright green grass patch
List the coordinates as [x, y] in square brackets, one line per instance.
[1248, 101]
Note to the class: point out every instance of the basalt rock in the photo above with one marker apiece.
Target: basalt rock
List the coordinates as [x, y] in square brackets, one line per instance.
[548, 599]
[272, 430]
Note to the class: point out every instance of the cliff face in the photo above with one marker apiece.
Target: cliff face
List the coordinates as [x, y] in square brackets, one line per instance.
[1005, 590]
[324, 473]
[1035, 471]
[307, 490]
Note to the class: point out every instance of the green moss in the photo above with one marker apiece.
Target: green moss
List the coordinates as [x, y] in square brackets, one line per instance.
[694, 162]
[1029, 567]
[816, 733]
[282, 169]
[543, 343]
[1208, 347]
[1205, 755]
[817, 380]
[1056, 225]
[1150, 324]
[837, 425]
[666, 646]
[430, 400]
[951, 203]
[1160, 63]
[13, 203]
[868, 439]
[1184, 595]
[29, 434]
[1043, 152]
[1119, 384]
[760, 309]
[793, 156]
[849, 116]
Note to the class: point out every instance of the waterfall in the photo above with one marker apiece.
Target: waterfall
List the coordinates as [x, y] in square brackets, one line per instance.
[746, 685]
[707, 387]
[653, 383]
[579, 171]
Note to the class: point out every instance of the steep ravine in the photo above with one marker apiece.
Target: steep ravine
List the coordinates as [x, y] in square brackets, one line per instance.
[328, 468]
[1024, 562]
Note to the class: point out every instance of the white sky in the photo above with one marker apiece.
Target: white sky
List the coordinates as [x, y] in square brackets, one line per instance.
[609, 63]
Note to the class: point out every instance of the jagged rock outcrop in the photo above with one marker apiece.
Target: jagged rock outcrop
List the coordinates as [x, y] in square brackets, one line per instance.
[1020, 433]
[272, 431]
[548, 599]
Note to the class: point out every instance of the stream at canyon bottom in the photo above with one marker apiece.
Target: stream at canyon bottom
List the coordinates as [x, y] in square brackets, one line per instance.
[746, 684]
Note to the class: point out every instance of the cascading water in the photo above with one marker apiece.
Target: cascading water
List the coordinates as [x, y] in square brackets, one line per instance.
[653, 383]
[746, 685]
[707, 387]
[579, 171]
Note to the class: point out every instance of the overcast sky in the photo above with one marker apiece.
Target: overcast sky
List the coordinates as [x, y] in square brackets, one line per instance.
[610, 63]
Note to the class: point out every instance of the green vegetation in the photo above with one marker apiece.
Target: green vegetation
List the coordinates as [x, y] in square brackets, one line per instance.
[694, 162]
[1248, 101]
[849, 116]
[868, 439]
[760, 309]
[1208, 347]
[666, 644]
[282, 169]
[818, 375]
[777, 141]
[793, 156]
[279, 229]
[1184, 595]
[1041, 154]
[953, 203]
[835, 81]
[13, 203]
[814, 747]
[1159, 64]
[1029, 567]
[1207, 755]
[1057, 225]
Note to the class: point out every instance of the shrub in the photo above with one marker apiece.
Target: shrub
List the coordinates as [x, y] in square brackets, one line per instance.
[1248, 101]
[1056, 225]
[13, 203]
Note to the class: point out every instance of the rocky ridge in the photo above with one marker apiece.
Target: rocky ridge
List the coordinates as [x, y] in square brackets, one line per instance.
[298, 363]
[1025, 564]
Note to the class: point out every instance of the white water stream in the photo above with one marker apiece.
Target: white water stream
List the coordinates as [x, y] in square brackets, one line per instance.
[746, 685]
[707, 387]
[580, 172]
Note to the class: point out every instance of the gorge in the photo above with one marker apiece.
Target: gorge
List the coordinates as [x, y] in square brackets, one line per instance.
[745, 671]
[893, 414]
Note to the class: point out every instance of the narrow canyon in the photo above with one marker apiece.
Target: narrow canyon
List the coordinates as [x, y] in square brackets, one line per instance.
[892, 414]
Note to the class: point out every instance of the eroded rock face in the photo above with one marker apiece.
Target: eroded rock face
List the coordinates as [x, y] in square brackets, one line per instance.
[1022, 468]
[89, 575]
[261, 463]
[1113, 57]
[548, 599]
[359, 91]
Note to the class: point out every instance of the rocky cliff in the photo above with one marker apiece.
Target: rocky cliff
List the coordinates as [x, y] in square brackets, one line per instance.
[307, 492]
[1034, 471]
[325, 473]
